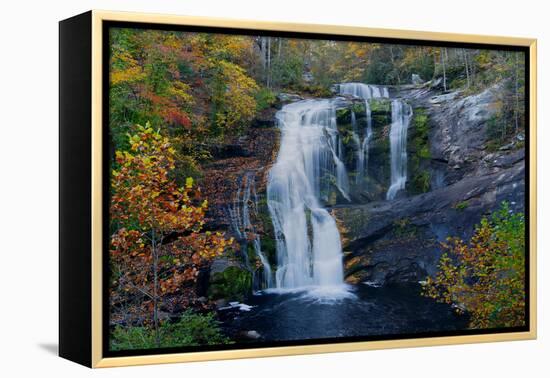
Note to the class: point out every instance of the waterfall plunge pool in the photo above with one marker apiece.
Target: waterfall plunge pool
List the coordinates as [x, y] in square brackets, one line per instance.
[365, 312]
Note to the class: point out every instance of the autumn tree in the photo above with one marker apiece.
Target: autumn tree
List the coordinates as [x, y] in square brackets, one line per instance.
[485, 277]
[193, 85]
[157, 242]
[148, 80]
[233, 99]
[223, 60]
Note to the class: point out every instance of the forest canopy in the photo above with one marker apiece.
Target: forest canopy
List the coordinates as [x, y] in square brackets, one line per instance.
[198, 87]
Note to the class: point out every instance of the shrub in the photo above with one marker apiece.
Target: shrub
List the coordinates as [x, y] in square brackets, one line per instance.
[233, 283]
[485, 277]
[460, 206]
[421, 182]
[265, 97]
[191, 329]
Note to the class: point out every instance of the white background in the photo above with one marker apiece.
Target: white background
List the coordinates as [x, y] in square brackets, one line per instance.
[28, 186]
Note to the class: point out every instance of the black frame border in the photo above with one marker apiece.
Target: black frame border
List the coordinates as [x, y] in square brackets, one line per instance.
[106, 25]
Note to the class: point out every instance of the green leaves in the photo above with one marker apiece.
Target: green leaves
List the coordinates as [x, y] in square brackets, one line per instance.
[486, 277]
[191, 329]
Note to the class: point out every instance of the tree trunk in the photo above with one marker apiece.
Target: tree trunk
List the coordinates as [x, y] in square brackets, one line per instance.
[444, 73]
[268, 79]
[472, 68]
[466, 68]
[392, 57]
[516, 107]
[262, 52]
[435, 63]
[155, 288]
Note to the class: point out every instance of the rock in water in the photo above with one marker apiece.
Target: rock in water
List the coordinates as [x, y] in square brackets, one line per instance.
[254, 335]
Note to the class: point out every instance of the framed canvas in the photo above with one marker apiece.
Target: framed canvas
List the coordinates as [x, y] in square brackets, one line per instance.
[235, 189]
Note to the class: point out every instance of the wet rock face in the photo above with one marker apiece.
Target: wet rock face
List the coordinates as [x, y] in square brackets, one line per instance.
[459, 132]
[351, 121]
[453, 181]
[389, 241]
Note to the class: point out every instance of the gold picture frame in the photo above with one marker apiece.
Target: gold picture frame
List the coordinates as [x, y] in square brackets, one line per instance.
[92, 24]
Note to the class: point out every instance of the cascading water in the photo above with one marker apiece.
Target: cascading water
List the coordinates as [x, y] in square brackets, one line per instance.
[309, 165]
[308, 244]
[365, 92]
[244, 205]
[401, 114]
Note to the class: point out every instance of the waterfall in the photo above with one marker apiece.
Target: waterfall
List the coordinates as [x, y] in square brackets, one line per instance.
[308, 245]
[365, 92]
[244, 205]
[400, 118]
[360, 164]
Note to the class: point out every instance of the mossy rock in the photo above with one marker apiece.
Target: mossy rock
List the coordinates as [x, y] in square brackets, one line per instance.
[380, 112]
[420, 182]
[343, 116]
[420, 122]
[359, 109]
[379, 165]
[403, 228]
[269, 248]
[234, 283]
[380, 120]
[267, 237]
[350, 150]
[418, 147]
[380, 106]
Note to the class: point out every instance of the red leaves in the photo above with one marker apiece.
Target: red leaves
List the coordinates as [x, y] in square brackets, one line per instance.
[177, 117]
[159, 225]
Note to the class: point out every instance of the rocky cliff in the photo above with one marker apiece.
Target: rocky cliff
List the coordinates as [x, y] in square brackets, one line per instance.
[455, 176]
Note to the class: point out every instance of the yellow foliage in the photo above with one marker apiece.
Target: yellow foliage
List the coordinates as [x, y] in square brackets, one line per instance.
[181, 91]
[237, 99]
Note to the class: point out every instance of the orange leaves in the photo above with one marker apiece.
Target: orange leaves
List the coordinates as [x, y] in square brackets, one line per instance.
[177, 117]
[158, 224]
[170, 106]
[145, 66]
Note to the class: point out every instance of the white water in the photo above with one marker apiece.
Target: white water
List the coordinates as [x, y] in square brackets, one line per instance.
[308, 244]
[401, 115]
[245, 203]
[365, 92]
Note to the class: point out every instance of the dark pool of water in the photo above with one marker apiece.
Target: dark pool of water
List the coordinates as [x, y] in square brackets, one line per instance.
[370, 311]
